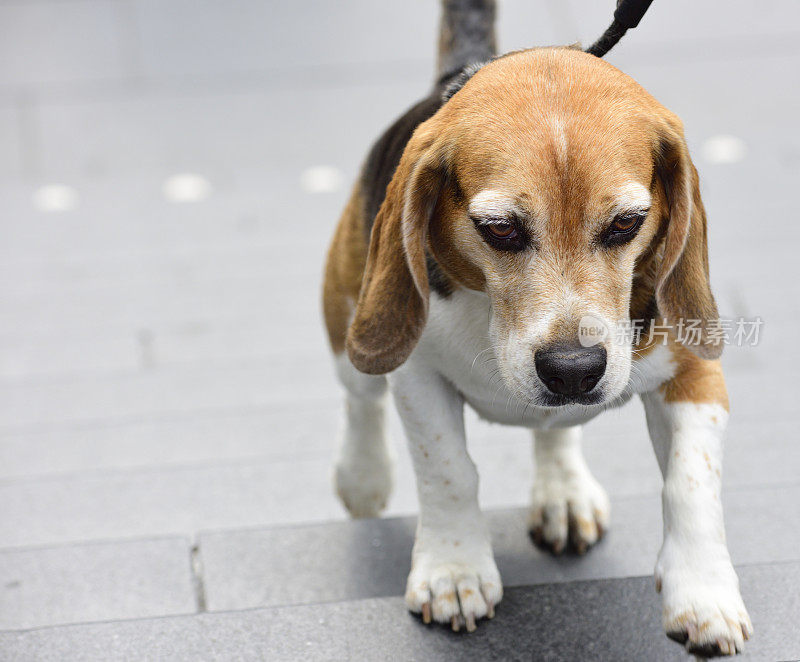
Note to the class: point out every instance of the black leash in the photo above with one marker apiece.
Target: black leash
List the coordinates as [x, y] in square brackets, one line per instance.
[627, 16]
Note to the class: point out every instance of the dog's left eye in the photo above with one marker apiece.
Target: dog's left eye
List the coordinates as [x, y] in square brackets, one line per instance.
[624, 228]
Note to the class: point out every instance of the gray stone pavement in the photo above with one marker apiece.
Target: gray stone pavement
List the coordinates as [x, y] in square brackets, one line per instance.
[344, 561]
[587, 620]
[95, 581]
[165, 384]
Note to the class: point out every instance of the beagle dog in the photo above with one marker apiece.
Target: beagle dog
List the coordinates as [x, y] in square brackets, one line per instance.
[528, 194]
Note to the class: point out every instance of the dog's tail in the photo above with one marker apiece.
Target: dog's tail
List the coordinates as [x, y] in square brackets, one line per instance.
[466, 35]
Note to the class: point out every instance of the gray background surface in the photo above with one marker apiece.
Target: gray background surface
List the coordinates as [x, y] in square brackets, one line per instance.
[167, 404]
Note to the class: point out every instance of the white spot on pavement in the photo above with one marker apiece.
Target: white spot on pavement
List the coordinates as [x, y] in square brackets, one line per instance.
[186, 187]
[724, 149]
[322, 179]
[55, 198]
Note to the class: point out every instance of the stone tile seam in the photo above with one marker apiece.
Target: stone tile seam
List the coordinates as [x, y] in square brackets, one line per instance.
[99, 542]
[163, 415]
[332, 75]
[198, 579]
[178, 467]
[759, 487]
[276, 458]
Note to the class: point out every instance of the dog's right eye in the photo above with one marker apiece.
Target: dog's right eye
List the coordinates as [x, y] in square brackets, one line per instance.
[502, 230]
[504, 235]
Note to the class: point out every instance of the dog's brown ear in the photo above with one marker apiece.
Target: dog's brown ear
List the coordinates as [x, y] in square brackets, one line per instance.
[683, 290]
[393, 302]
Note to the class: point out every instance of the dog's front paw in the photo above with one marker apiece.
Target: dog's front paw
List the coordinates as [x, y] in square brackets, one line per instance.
[568, 511]
[708, 620]
[454, 586]
[704, 610]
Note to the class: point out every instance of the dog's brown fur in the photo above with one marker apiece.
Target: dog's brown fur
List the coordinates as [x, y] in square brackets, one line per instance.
[344, 269]
[483, 138]
[696, 380]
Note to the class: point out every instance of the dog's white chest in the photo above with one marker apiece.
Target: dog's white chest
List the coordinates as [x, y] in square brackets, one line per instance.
[456, 344]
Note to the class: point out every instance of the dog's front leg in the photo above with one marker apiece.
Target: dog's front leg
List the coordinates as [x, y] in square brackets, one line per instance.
[567, 504]
[702, 606]
[453, 576]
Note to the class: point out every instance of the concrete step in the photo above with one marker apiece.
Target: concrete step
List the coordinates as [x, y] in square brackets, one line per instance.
[371, 558]
[240, 569]
[617, 619]
[102, 581]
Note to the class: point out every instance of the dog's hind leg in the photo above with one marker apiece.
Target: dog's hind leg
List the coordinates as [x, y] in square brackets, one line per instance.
[569, 508]
[364, 467]
[364, 462]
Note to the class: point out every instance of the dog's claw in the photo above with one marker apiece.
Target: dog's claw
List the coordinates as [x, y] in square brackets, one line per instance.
[426, 613]
[455, 595]
[471, 627]
[569, 509]
[489, 610]
[600, 529]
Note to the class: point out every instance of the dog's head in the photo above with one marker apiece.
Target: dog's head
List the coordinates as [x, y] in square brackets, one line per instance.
[557, 186]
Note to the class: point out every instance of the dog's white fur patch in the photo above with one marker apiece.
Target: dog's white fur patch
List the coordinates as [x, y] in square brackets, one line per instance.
[454, 575]
[490, 206]
[700, 589]
[559, 139]
[633, 196]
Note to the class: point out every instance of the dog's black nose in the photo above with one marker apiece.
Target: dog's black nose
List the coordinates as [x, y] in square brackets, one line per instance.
[570, 369]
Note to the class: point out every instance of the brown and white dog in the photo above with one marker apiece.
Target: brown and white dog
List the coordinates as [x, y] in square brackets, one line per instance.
[525, 195]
